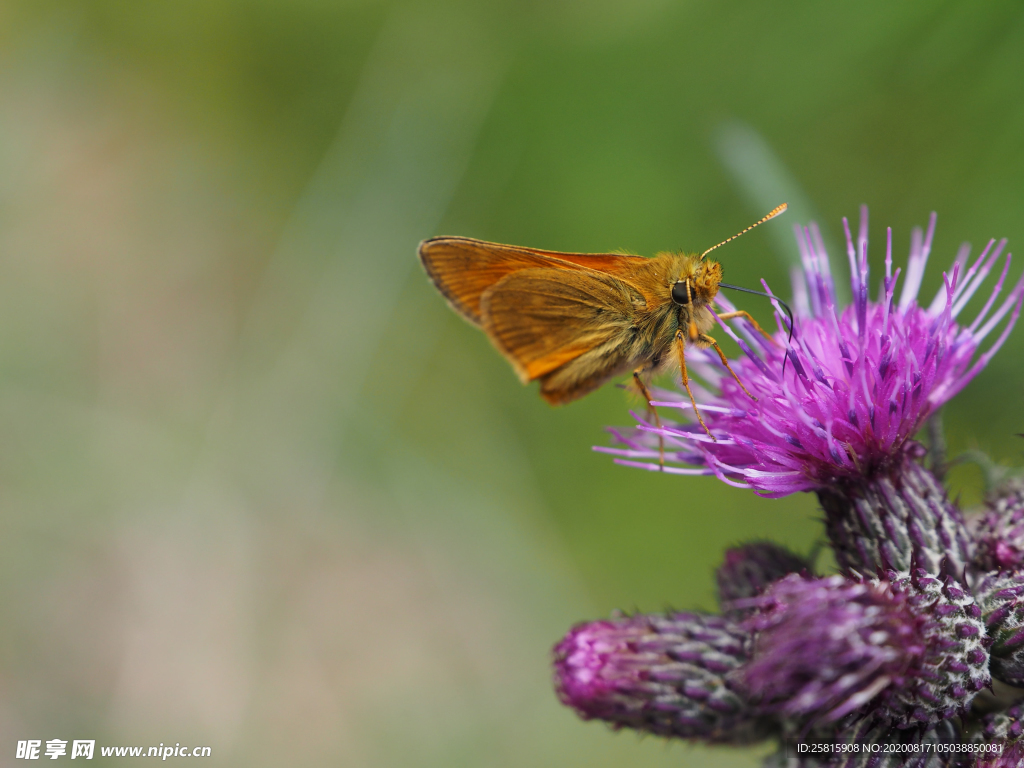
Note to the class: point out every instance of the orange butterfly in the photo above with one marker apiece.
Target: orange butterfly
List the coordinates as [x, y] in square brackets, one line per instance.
[576, 320]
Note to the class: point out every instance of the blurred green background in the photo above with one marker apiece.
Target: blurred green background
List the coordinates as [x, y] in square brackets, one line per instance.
[261, 489]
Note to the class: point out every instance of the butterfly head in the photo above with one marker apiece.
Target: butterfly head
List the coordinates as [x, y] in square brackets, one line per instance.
[698, 283]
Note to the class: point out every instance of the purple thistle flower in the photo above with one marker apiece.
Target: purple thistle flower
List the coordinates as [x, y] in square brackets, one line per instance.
[749, 569]
[860, 381]
[998, 531]
[663, 674]
[908, 650]
[1001, 598]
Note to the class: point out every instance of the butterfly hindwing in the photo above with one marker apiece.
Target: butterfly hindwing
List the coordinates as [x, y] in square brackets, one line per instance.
[554, 321]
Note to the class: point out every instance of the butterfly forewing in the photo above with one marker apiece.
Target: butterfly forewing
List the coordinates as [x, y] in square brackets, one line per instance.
[463, 268]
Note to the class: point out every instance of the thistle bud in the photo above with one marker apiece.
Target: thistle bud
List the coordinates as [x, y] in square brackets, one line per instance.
[907, 649]
[749, 569]
[998, 531]
[1003, 731]
[1001, 599]
[663, 674]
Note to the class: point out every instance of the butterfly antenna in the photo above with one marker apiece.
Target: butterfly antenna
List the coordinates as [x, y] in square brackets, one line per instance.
[775, 212]
[784, 305]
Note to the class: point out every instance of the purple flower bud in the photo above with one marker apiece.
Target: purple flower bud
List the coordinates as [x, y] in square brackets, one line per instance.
[1001, 598]
[826, 648]
[750, 568]
[663, 674]
[1004, 730]
[896, 521]
[998, 531]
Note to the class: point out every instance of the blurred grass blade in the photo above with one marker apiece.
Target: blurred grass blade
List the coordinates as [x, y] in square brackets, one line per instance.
[764, 182]
[382, 187]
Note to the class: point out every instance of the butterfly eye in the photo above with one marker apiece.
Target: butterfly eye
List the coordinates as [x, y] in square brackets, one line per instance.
[681, 292]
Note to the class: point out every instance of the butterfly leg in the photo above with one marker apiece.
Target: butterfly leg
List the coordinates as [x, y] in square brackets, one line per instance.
[741, 313]
[653, 412]
[705, 339]
[681, 349]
